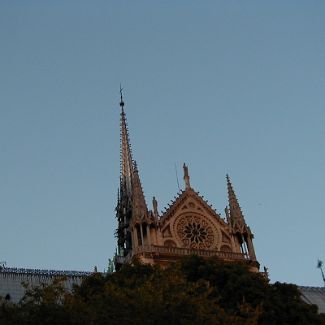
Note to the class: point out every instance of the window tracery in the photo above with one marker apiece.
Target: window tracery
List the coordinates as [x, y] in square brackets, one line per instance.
[195, 232]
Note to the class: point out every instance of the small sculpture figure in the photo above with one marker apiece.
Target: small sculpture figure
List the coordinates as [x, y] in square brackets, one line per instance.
[155, 207]
[186, 177]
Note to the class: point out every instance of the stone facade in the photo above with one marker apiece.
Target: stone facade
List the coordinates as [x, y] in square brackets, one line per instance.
[189, 225]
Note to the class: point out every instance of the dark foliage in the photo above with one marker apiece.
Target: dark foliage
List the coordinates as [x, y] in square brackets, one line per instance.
[193, 291]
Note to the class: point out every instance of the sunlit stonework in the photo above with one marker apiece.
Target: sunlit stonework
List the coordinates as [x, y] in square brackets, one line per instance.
[189, 225]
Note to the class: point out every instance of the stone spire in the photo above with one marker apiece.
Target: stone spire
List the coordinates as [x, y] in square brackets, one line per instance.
[237, 222]
[131, 203]
[236, 216]
[125, 156]
[139, 206]
[124, 203]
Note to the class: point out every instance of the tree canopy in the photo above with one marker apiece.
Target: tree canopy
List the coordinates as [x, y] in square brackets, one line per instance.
[192, 291]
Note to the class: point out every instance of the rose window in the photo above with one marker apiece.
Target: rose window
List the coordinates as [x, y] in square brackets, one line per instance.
[195, 232]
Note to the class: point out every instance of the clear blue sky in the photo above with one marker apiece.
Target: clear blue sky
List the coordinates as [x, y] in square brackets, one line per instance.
[227, 86]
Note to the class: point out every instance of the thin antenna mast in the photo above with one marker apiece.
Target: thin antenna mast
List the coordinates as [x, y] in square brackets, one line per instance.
[320, 266]
[177, 178]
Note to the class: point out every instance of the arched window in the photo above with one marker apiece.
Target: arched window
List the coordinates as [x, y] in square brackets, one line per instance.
[225, 248]
[169, 243]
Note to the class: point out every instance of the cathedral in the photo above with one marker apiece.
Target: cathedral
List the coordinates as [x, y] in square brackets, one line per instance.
[188, 226]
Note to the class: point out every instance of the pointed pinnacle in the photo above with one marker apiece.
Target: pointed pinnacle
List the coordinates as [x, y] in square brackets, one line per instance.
[121, 93]
[234, 207]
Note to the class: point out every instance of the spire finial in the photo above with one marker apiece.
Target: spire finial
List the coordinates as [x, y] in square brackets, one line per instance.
[121, 93]
[186, 177]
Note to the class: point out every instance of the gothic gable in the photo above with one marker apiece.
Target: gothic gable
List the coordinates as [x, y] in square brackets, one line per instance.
[191, 223]
[191, 201]
[188, 226]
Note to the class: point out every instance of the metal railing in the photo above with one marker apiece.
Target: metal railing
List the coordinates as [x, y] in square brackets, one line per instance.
[14, 270]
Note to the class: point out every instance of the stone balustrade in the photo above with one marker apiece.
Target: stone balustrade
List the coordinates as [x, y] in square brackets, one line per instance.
[177, 251]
